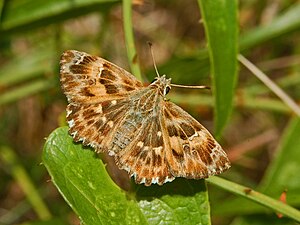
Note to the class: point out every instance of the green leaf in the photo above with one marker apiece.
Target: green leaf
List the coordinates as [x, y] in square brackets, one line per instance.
[24, 67]
[25, 90]
[220, 22]
[287, 22]
[83, 181]
[17, 19]
[285, 165]
[24, 75]
[182, 202]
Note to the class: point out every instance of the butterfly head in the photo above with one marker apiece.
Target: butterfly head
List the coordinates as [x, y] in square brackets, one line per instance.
[163, 84]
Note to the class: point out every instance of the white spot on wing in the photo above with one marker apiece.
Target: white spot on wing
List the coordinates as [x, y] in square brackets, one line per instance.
[158, 150]
[169, 179]
[82, 139]
[140, 144]
[110, 124]
[111, 153]
[194, 135]
[155, 180]
[100, 71]
[79, 60]
[71, 123]
[143, 180]
[74, 134]
[114, 102]
[103, 119]
[69, 112]
[98, 109]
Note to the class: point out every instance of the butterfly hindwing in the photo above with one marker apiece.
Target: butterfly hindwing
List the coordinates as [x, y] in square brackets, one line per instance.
[93, 124]
[145, 157]
[191, 151]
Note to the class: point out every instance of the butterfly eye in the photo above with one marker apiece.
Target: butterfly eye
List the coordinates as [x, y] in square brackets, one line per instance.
[167, 89]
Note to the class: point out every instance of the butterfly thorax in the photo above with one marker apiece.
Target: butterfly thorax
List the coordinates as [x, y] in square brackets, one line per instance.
[162, 84]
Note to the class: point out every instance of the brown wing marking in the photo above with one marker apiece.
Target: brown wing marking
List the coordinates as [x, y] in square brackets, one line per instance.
[94, 123]
[191, 151]
[144, 158]
[86, 78]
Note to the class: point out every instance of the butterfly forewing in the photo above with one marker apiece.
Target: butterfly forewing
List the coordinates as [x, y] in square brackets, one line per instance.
[86, 78]
[151, 138]
[94, 87]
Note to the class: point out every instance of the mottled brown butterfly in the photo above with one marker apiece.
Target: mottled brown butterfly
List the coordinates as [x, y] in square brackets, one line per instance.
[151, 138]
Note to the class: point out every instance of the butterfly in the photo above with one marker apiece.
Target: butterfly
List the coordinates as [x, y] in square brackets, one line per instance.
[151, 138]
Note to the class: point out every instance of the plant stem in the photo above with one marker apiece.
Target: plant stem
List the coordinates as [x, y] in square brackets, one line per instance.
[257, 197]
[270, 84]
[244, 101]
[23, 179]
[129, 39]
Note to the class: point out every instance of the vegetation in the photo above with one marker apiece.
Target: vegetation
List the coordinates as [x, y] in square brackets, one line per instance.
[233, 47]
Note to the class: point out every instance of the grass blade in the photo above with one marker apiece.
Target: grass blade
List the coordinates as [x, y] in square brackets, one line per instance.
[220, 21]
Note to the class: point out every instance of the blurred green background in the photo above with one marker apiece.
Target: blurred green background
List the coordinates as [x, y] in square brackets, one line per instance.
[261, 137]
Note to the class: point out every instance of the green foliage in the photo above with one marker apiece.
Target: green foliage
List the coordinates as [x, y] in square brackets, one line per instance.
[21, 176]
[34, 33]
[284, 24]
[220, 22]
[286, 161]
[17, 19]
[278, 176]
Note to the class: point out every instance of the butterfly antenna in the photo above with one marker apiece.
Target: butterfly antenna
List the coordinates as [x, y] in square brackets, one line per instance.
[188, 86]
[153, 59]
[173, 85]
